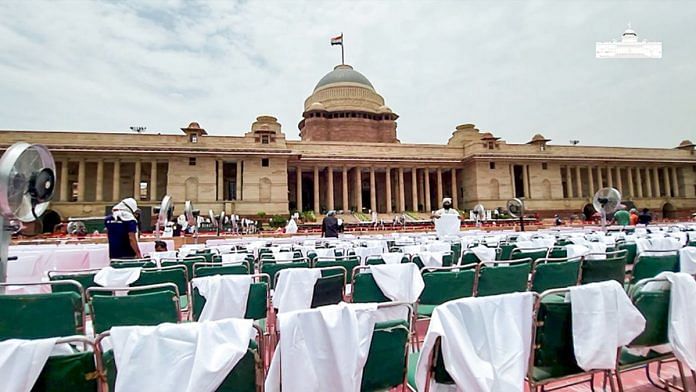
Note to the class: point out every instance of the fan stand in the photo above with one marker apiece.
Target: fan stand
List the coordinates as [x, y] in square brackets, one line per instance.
[603, 219]
[522, 222]
[5, 234]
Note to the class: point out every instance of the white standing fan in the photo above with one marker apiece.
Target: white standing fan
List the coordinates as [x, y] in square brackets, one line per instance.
[479, 212]
[515, 208]
[192, 218]
[606, 201]
[27, 184]
[164, 215]
[222, 222]
[76, 228]
[214, 221]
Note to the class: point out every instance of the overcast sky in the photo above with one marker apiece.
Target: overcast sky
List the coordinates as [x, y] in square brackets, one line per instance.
[513, 68]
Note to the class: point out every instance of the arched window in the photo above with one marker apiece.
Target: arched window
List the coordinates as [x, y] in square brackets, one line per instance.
[191, 188]
[264, 190]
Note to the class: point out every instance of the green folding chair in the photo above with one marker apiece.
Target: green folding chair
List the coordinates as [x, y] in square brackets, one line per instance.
[142, 306]
[558, 252]
[552, 358]
[534, 254]
[364, 288]
[554, 273]
[631, 251]
[654, 306]
[347, 262]
[45, 315]
[469, 257]
[132, 263]
[505, 250]
[76, 372]
[329, 288]
[217, 268]
[650, 263]
[84, 277]
[444, 284]
[177, 274]
[447, 259]
[376, 260]
[257, 301]
[186, 261]
[502, 277]
[248, 259]
[271, 267]
[386, 366]
[246, 376]
[612, 267]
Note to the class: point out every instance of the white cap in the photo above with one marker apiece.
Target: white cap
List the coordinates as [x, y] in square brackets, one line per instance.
[447, 199]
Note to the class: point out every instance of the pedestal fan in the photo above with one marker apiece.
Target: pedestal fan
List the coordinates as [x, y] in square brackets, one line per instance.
[479, 213]
[27, 184]
[606, 201]
[192, 219]
[164, 214]
[515, 208]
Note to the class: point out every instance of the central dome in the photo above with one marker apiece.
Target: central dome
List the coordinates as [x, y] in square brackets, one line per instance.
[344, 73]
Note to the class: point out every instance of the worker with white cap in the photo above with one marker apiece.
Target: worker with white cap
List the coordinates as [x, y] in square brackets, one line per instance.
[121, 229]
[446, 209]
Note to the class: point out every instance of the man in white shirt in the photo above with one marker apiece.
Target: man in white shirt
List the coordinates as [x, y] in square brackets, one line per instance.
[446, 209]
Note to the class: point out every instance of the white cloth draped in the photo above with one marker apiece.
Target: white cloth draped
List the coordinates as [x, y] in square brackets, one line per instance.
[21, 362]
[603, 320]
[478, 352]
[657, 243]
[399, 282]
[447, 225]
[188, 357]
[117, 277]
[483, 253]
[573, 250]
[291, 227]
[295, 289]
[392, 258]
[682, 316]
[225, 296]
[322, 349]
[233, 258]
[431, 258]
[687, 260]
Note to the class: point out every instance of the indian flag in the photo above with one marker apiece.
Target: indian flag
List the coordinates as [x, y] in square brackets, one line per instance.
[337, 40]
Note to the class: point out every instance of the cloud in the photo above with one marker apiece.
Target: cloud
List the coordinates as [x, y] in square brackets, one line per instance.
[512, 68]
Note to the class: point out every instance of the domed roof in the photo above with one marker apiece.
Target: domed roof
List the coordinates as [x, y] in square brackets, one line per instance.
[316, 106]
[686, 143]
[384, 109]
[344, 73]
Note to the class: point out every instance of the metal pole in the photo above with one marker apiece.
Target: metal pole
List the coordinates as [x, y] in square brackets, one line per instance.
[522, 222]
[4, 252]
[343, 61]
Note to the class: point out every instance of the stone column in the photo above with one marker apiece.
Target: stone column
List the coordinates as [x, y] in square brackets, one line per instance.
[639, 181]
[373, 190]
[387, 180]
[569, 183]
[600, 179]
[675, 182]
[426, 180]
[316, 190]
[619, 180]
[578, 182]
[153, 182]
[590, 181]
[513, 188]
[358, 189]
[136, 180]
[64, 173]
[610, 177]
[81, 180]
[100, 181]
[455, 198]
[414, 189]
[220, 180]
[421, 188]
[629, 175]
[666, 182]
[656, 183]
[649, 189]
[527, 185]
[238, 184]
[116, 187]
[344, 185]
[402, 194]
[439, 186]
[330, 185]
[298, 187]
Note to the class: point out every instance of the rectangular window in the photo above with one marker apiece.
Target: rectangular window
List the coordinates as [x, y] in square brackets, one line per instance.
[491, 165]
[193, 138]
[518, 174]
[192, 161]
[143, 190]
[264, 162]
[75, 191]
[544, 165]
[265, 139]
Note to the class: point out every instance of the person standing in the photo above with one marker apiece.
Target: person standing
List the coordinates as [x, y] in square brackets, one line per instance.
[121, 230]
[446, 209]
[622, 217]
[329, 225]
[645, 218]
[634, 217]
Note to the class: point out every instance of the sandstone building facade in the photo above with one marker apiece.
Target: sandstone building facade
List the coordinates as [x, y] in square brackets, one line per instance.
[349, 158]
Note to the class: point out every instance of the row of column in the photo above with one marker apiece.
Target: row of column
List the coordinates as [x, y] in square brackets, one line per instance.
[116, 186]
[420, 187]
[640, 182]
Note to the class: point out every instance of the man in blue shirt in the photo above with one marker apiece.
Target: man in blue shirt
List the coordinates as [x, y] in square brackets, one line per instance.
[121, 229]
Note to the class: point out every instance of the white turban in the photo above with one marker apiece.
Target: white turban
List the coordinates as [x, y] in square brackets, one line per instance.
[447, 199]
[125, 210]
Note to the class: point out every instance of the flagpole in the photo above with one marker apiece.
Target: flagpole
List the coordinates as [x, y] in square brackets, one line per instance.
[343, 61]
